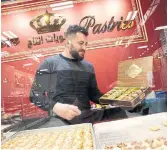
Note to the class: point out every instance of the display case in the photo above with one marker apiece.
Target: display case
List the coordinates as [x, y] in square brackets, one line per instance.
[120, 135]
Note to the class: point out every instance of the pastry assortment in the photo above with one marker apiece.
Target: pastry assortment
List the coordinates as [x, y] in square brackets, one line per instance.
[157, 128]
[159, 143]
[154, 128]
[124, 93]
[69, 138]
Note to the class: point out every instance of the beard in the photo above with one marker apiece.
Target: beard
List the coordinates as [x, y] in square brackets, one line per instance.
[75, 54]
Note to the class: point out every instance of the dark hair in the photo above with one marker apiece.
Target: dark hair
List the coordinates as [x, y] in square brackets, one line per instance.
[73, 29]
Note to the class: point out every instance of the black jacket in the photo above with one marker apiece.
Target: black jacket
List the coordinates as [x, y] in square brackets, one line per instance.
[64, 80]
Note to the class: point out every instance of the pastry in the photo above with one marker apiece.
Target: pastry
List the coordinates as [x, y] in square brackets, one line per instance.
[122, 145]
[79, 137]
[165, 123]
[154, 128]
[134, 95]
[143, 88]
[139, 92]
[159, 143]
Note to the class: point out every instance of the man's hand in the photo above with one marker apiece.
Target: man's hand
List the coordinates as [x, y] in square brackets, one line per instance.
[66, 111]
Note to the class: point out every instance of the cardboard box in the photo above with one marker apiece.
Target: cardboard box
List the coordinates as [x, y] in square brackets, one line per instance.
[135, 80]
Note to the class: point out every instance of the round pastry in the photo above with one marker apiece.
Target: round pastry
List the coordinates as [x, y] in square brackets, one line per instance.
[116, 88]
[143, 88]
[130, 98]
[138, 92]
[126, 98]
[154, 128]
[165, 123]
[109, 147]
[134, 95]
[121, 145]
[165, 143]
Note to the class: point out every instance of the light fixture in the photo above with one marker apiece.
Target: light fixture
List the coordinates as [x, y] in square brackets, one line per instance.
[46, 17]
[8, 35]
[61, 4]
[141, 47]
[161, 28]
[11, 33]
[3, 38]
[63, 7]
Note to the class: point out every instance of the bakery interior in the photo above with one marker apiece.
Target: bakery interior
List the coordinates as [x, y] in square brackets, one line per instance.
[127, 45]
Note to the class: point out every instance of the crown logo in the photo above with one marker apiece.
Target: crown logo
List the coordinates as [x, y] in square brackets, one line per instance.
[47, 22]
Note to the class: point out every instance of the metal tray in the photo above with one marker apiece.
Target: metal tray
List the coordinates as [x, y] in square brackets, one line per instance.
[55, 129]
[124, 103]
[128, 130]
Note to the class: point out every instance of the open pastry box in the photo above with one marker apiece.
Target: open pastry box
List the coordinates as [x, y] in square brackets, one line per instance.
[134, 81]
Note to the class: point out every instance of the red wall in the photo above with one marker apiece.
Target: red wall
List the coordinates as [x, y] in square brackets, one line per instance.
[105, 60]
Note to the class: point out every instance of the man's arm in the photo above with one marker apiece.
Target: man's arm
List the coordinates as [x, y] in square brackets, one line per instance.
[94, 92]
[39, 91]
[42, 93]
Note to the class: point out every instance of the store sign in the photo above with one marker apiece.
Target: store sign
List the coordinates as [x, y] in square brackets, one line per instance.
[43, 31]
[90, 22]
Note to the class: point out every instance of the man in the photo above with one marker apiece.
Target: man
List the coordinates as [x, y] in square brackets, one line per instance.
[66, 83]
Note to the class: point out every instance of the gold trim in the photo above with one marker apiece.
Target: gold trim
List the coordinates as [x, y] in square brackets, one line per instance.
[134, 4]
[58, 52]
[41, 3]
[17, 9]
[29, 4]
[3, 60]
[145, 32]
[25, 10]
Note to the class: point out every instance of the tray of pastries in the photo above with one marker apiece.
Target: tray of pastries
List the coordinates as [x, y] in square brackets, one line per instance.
[159, 143]
[66, 137]
[125, 96]
[136, 133]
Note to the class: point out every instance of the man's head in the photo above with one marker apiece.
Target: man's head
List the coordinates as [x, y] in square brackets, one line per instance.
[76, 41]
